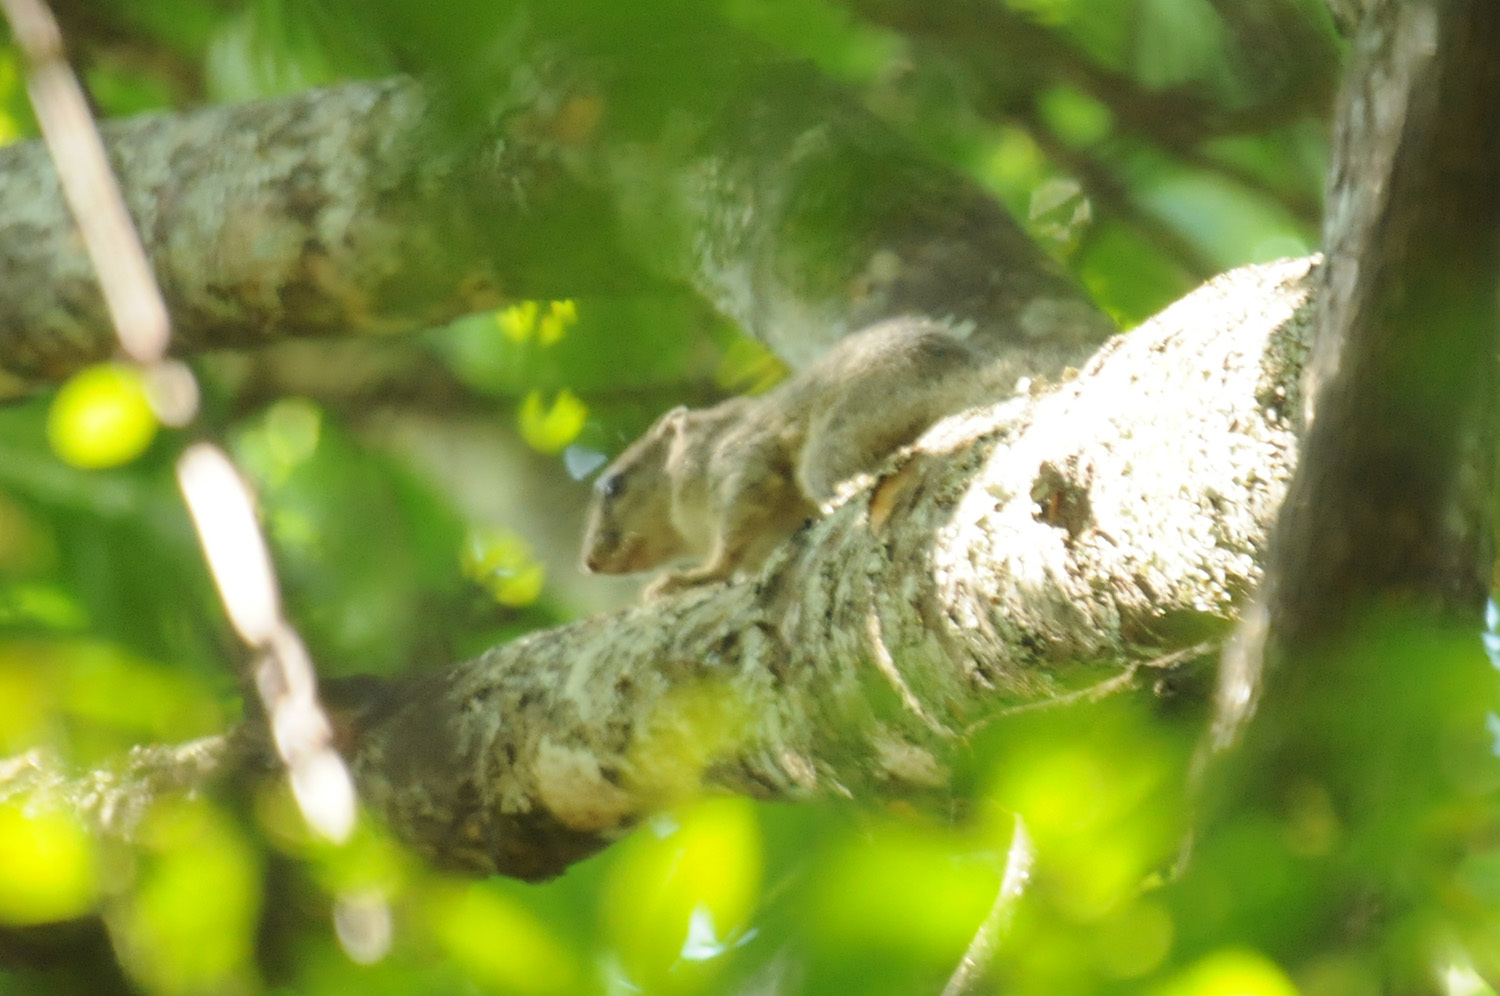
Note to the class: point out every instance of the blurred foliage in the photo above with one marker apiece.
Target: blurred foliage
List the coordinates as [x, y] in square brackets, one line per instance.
[1147, 144]
[50, 872]
[503, 563]
[101, 417]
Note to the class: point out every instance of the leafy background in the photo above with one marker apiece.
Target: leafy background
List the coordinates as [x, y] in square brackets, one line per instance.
[1148, 144]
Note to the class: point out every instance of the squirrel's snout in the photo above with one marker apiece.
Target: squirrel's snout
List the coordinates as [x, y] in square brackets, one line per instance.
[602, 552]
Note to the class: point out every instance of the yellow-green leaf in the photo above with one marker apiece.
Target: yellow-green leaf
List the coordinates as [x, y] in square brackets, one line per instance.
[48, 870]
[519, 320]
[1231, 972]
[101, 417]
[549, 429]
[560, 316]
[498, 941]
[504, 564]
[682, 895]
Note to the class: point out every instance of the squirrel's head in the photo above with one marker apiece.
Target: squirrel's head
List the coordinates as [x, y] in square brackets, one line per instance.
[630, 515]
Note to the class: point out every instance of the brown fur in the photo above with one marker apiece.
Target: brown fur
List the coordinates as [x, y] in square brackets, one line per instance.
[729, 483]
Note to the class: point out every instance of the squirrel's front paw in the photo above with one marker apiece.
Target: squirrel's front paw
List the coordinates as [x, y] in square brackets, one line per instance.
[662, 586]
[673, 582]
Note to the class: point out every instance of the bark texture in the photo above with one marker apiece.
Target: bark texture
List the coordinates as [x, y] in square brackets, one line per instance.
[1404, 367]
[336, 212]
[353, 210]
[1358, 679]
[1060, 543]
[1047, 544]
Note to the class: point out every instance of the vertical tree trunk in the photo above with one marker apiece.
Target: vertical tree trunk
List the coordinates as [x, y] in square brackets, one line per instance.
[1357, 683]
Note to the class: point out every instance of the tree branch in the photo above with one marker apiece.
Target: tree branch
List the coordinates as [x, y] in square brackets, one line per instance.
[1018, 553]
[334, 212]
[347, 211]
[1081, 541]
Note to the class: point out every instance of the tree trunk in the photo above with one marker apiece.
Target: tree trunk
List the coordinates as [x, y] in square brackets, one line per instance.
[1356, 694]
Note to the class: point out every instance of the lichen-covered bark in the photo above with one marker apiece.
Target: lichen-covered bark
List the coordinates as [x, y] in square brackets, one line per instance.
[353, 210]
[1041, 545]
[112, 801]
[334, 212]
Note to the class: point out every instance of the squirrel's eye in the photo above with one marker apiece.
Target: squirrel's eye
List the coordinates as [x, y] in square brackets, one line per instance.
[610, 485]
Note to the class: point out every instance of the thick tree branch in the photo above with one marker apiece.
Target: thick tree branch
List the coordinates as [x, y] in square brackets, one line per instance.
[1076, 542]
[334, 212]
[347, 211]
[1019, 552]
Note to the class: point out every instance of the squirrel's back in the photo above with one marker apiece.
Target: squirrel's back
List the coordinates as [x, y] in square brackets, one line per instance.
[873, 392]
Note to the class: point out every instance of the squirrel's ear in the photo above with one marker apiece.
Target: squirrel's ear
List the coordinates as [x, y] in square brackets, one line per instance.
[667, 424]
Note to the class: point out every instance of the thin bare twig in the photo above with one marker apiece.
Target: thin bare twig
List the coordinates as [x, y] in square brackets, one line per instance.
[1019, 860]
[221, 504]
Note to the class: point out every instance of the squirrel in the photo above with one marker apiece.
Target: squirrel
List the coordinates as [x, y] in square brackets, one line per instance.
[730, 483]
